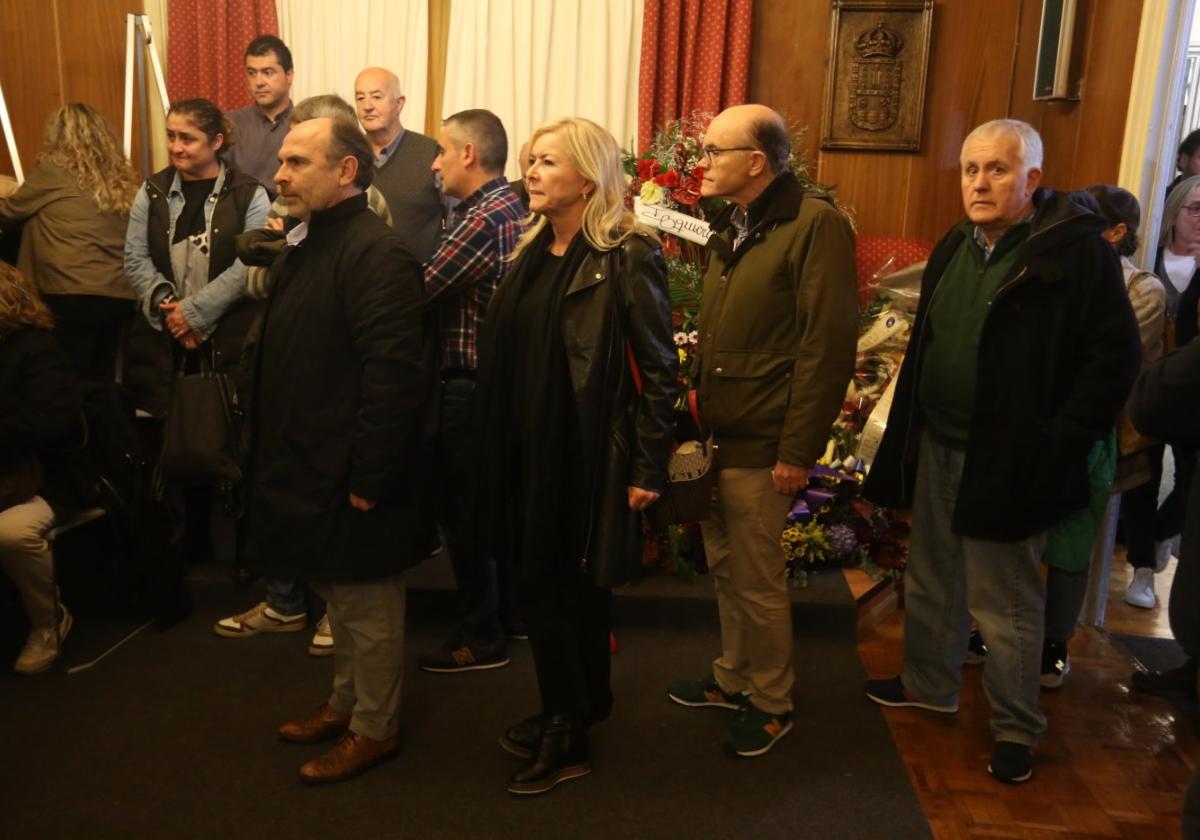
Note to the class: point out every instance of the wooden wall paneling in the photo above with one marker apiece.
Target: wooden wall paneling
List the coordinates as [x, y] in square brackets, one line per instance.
[93, 57]
[787, 63]
[1107, 79]
[971, 58]
[1082, 139]
[30, 74]
[1057, 121]
[874, 184]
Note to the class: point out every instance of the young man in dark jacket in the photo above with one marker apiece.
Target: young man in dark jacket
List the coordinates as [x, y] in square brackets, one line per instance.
[340, 388]
[1022, 354]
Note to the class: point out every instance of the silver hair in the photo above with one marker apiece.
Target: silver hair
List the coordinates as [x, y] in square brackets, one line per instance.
[1029, 142]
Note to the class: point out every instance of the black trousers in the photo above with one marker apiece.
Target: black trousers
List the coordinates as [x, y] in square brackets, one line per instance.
[569, 622]
[475, 572]
[1146, 522]
[89, 328]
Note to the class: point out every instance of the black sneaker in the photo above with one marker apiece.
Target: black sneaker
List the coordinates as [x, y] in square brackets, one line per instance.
[1011, 762]
[705, 692]
[891, 692]
[976, 649]
[1055, 664]
[1175, 684]
[458, 656]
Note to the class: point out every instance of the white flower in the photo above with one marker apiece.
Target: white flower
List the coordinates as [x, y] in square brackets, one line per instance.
[651, 193]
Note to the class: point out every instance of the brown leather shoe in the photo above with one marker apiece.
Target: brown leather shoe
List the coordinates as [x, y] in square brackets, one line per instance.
[349, 757]
[324, 724]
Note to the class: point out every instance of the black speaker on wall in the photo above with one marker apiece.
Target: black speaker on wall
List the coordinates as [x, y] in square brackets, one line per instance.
[1052, 78]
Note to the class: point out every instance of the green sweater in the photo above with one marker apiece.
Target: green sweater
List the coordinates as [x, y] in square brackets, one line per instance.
[946, 385]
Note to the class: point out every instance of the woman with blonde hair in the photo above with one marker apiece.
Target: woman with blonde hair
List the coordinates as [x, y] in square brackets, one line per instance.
[75, 207]
[577, 384]
[40, 404]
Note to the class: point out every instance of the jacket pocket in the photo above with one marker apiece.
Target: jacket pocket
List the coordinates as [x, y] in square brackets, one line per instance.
[747, 392]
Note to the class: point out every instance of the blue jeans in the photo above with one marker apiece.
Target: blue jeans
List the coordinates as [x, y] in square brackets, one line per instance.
[951, 578]
[285, 596]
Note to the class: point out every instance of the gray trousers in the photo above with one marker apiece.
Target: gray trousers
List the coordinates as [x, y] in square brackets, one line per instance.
[26, 558]
[952, 578]
[368, 652]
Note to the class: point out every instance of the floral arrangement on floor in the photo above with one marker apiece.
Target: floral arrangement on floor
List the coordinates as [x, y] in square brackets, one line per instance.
[829, 524]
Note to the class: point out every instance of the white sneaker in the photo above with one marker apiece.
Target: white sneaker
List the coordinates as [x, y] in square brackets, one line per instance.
[1162, 554]
[1141, 589]
[322, 640]
[261, 619]
[42, 646]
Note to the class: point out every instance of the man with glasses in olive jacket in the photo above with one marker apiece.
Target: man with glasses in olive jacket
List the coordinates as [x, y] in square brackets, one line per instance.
[778, 328]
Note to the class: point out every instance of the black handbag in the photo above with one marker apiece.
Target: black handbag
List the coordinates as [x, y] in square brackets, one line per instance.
[201, 439]
[688, 497]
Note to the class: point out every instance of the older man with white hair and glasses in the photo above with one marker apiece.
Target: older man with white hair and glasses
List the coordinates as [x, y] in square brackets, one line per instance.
[1023, 351]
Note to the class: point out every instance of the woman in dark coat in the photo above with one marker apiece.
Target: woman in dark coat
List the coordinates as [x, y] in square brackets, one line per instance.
[40, 404]
[574, 448]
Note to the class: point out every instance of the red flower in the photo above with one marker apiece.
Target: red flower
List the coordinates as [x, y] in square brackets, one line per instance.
[685, 197]
[668, 179]
[646, 169]
[670, 246]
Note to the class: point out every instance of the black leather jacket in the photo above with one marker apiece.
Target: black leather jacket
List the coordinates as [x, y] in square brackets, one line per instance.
[626, 435]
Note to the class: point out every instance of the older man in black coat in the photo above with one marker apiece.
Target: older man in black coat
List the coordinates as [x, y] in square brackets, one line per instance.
[339, 397]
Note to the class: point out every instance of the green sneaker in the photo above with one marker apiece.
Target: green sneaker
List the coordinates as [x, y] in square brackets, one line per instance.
[705, 692]
[754, 731]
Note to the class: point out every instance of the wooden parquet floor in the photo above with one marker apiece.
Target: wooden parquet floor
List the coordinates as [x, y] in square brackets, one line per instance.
[1113, 763]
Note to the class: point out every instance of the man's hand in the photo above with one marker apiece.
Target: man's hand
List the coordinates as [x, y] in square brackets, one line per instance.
[360, 504]
[640, 499]
[789, 478]
[275, 223]
[177, 324]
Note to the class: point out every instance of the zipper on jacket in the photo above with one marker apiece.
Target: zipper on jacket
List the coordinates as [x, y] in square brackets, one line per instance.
[1013, 282]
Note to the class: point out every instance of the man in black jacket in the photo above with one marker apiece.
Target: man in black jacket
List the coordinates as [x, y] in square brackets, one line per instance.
[339, 396]
[1023, 351]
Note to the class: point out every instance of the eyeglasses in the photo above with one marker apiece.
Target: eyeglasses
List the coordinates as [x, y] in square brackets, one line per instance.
[712, 152]
[1193, 210]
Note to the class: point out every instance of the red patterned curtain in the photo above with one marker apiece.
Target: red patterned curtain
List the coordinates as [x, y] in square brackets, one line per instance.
[206, 43]
[695, 57]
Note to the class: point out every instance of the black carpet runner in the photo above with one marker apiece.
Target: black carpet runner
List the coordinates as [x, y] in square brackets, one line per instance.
[173, 736]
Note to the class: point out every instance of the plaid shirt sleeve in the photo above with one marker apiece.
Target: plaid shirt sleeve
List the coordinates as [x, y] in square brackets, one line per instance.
[466, 256]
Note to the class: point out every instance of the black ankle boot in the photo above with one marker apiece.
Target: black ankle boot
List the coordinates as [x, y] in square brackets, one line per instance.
[562, 754]
[521, 739]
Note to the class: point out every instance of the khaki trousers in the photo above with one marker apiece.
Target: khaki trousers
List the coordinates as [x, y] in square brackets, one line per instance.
[368, 652]
[26, 558]
[749, 571]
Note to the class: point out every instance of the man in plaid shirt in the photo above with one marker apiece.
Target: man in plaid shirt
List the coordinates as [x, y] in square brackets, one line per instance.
[459, 281]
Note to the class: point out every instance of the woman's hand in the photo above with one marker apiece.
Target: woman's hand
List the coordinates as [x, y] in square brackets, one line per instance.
[640, 499]
[177, 324]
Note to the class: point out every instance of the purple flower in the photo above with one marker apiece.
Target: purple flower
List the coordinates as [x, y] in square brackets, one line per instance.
[842, 541]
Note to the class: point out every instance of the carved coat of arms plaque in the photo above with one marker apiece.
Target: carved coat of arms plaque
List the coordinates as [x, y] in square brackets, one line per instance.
[875, 88]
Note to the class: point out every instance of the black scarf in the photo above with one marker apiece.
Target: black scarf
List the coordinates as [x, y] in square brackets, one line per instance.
[531, 494]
